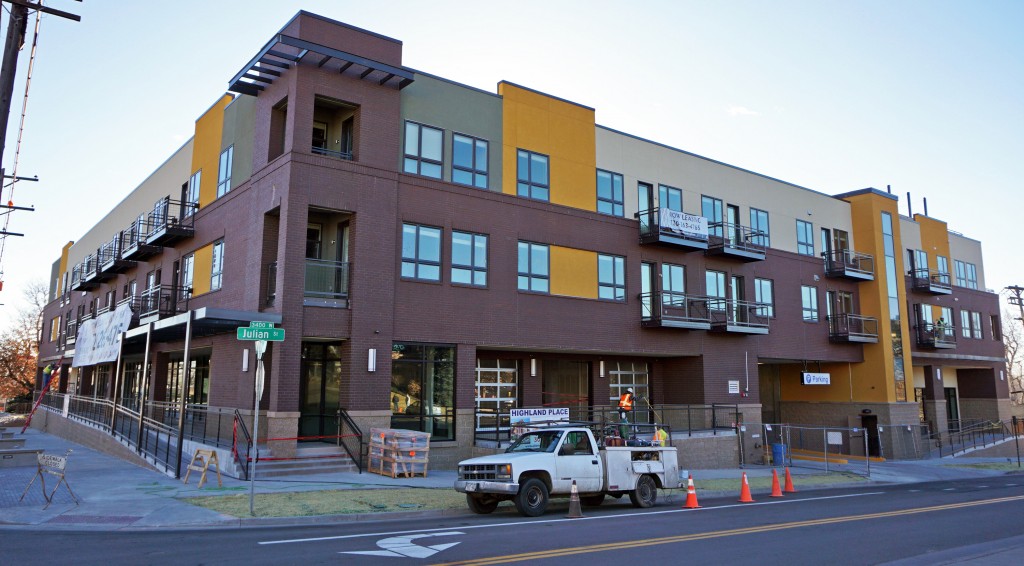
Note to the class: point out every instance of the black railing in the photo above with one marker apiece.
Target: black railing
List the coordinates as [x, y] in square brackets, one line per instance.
[738, 314]
[653, 227]
[724, 235]
[672, 307]
[326, 279]
[164, 300]
[350, 437]
[241, 444]
[849, 262]
[935, 335]
[347, 155]
[935, 281]
[852, 326]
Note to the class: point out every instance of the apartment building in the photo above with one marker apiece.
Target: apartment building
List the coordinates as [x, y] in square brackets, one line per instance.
[438, 254]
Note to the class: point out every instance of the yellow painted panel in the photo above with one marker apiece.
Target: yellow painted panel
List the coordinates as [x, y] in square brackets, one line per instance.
[201, 270]
[573, 272]
[934, 240]
[559, 129]
[206, 149]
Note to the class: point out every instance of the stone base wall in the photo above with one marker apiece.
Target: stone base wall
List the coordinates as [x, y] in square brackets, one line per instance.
[985, 409]
[81, 433]
[707, 451]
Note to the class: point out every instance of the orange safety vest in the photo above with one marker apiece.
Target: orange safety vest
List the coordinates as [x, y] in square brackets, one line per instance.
[660, 436]
[626, 401]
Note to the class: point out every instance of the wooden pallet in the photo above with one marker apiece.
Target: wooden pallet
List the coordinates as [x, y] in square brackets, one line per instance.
[399, 453]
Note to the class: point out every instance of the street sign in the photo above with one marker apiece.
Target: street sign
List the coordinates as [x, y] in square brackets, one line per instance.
[261, 324]
[259, 330]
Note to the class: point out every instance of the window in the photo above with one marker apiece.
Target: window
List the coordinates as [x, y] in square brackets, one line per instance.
[533, 267]
[670, 198]
[193, 193]
[217, 265]
[611, 278]
[804, 238]
[54, 328]
[532, 175]
[625, 375]
[609, 193]
[423, 150]
[809, 302]
[421, 252]
[711, 208]
[469, 259]
[715, 284]
[976, 325]
[965, 323]
[918, 262]
[764, 292]
[673, 284]
[422, 395]
[187, 271]
[224, 175]
[497, 391]
[469, 161]
[966, 274]
[996, 329]
[759, 227]
[943, 266]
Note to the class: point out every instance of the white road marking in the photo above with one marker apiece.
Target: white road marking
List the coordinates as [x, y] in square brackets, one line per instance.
[950, 489]
[614, 516]
[404, 546]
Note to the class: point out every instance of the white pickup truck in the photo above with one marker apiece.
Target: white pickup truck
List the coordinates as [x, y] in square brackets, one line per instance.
[544, 463]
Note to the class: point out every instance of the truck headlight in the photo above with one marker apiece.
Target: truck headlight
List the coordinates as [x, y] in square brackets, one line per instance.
[504, 472]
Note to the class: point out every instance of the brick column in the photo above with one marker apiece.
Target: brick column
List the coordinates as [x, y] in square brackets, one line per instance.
[935, 401]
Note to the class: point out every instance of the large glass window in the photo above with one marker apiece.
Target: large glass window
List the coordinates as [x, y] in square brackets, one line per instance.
[497, 391]
[976, 331]
[423, 150]
[716, 290]
[224, 172]
[609, 193]
[217, 266]
[809, 302]
[193, 194]
[673, 284]
[711, 208]
[626, 375]
[422, 393]
[764, 292]
[532, 175]
[965, 323]
[197, 388]
[804, 238]
[760, 234]
[670, 198]
[966, 274]
[895, 325]
[187, 271]
[469, 259]
[533, 267]
[421, 252]
[469, 161]
[611, 277]
[972, 276]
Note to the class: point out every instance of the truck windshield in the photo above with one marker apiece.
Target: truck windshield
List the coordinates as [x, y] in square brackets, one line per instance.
[539, 441]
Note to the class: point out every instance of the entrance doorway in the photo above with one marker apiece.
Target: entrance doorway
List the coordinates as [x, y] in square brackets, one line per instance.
[870, 424]
[566, 384]
[952, 409]
[320, 392]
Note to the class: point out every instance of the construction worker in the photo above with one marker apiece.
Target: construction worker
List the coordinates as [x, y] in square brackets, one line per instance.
[626, 402]
[660, 436]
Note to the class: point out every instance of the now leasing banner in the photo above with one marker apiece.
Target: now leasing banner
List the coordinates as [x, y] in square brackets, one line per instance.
[99, 339]
[683, 223]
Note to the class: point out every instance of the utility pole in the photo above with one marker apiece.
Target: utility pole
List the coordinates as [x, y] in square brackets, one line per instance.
[1016, 299]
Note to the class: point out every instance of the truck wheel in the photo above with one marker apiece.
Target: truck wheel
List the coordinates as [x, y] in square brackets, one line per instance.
[532, 499]
[646, 492]
[592, 500]
[481, 505]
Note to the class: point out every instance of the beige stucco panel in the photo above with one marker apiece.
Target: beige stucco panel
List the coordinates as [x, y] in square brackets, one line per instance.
[910, 239]
[643, 161]
[967, 250]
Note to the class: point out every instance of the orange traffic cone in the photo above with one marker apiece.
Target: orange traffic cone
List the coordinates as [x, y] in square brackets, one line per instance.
[575, 512]
[691, 495]
[745, 491]
[789, 482]
[776, 489]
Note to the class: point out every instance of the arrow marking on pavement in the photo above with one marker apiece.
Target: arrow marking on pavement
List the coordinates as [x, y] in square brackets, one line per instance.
[404, 546]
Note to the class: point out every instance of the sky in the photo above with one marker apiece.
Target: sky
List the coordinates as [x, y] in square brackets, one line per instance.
[924, 96]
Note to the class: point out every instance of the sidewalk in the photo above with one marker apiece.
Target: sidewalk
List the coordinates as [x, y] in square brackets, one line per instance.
[115, 494]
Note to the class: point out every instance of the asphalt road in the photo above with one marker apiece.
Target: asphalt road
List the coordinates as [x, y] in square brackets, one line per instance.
[973, 521]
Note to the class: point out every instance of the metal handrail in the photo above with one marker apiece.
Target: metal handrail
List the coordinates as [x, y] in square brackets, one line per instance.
[239, 426]
[849, 260]
[347, 155]
[650, 223]
[923, 277]
[738, 313]
[934, 334]
[847, 324]
[356, 433]
[738, 236]
[326, 279]
[673, 306]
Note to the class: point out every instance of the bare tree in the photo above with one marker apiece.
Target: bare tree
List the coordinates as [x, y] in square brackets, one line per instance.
[19, 344]
[1013, 340]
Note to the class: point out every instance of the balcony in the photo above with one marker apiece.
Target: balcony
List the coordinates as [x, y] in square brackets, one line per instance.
[86, 272]
[674, 310]
[326, 283]
[333, 128]
[852, 329]
[71, 332]
[736, 241]
[163, 301]
[133, 241]
[110, 259]
[170, 221]
[741, 317]
[848, 264]
[674, 229]
[933, 282]
[936, 336]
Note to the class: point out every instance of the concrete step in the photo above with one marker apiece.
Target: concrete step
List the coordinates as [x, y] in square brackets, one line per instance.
[309, 459]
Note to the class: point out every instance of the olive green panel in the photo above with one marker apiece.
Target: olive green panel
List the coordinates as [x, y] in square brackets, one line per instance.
[239, 120]
[455, 108]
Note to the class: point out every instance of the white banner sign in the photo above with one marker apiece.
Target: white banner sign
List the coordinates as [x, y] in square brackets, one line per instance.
[683, 223]
[816, 378]
[534, 416]
[99, 339]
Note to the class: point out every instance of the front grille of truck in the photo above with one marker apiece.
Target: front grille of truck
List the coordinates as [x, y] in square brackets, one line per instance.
[478, 472]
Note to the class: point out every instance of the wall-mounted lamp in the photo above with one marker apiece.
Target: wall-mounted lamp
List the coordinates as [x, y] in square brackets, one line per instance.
[601, 369]
[533, 367]
[938, 374]
[245, 359]
[1002, 376]
[371, 364]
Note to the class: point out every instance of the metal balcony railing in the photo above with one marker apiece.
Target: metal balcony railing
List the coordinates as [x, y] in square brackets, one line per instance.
[656, 227]
[846, 327]
[738, 316]
[934, 335]
[737, 240]
[326, 279]
[346, 155]
[931, 281]
[848, 263]
[164, 300]
[170, 220]
[675, 310]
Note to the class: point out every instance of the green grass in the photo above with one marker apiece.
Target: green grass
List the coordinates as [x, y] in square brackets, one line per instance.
[1004, 466]
[352, 501]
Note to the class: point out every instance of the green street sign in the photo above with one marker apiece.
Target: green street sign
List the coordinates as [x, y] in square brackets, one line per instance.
[261, 324]
[268, 334]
